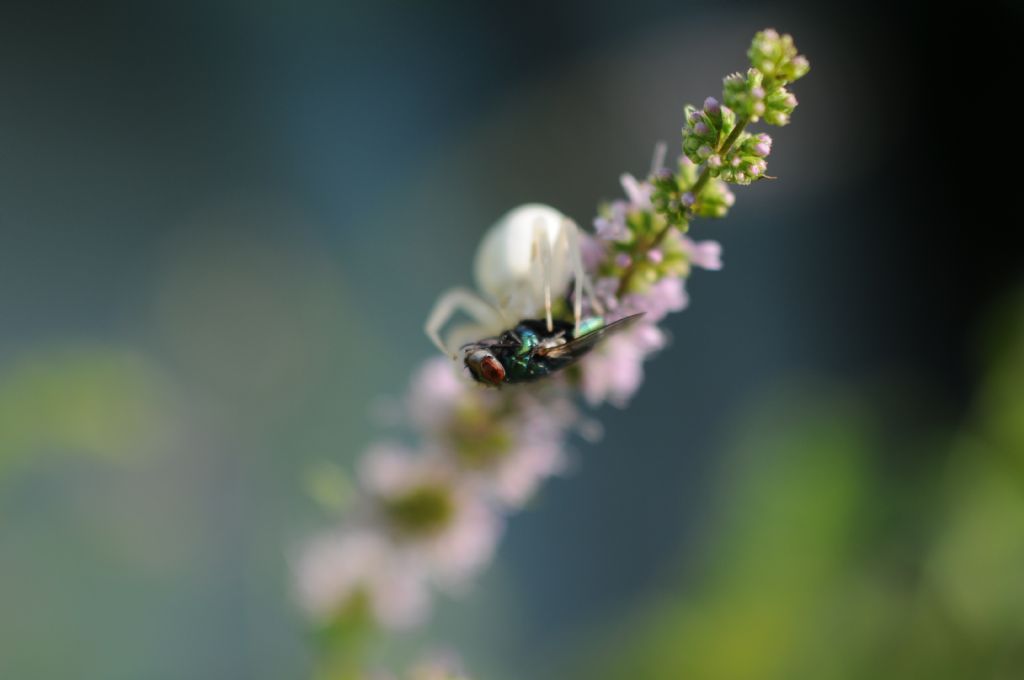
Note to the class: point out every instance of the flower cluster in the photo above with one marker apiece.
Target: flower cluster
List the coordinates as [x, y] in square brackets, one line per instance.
[714, 134]
[430, 515]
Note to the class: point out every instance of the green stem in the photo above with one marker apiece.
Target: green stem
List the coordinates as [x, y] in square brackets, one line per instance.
[698, 186]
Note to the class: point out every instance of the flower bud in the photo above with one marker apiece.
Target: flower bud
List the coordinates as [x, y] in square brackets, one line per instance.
[715, 199]
[744, 93]
[745, 160]
[706, 129]
[779, 105]
[776, 57]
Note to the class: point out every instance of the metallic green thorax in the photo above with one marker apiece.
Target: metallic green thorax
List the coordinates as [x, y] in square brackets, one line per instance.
[518, 354]
[531, 350]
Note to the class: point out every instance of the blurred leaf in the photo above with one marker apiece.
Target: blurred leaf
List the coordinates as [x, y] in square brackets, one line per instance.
[977, 565]
[329, 486]
[101, 402]
[790, 526]
[1001, 404]
[825, 570]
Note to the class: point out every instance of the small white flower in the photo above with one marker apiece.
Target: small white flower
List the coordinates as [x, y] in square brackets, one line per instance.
[664, 296]
[639, 193]
[456, 534]
[614, 372]
[334, 569]
[537, 452]
[612, 227]
[434, 392]
[704, 254]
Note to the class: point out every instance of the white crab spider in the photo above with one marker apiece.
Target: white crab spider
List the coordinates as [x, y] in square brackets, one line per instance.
[526, 260]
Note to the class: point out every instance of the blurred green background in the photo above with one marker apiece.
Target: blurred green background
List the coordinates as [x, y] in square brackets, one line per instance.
[222, 224]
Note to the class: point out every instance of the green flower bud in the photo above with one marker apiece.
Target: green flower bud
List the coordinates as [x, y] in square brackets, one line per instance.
[779, 105]
[715, 200]
[776, 57]
[745, 163]
[745, 94]
[706, 129]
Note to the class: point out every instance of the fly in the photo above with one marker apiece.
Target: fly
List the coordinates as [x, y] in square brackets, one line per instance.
[530, 351]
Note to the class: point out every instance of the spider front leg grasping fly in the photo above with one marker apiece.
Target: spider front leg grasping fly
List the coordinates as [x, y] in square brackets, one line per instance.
[525, 262]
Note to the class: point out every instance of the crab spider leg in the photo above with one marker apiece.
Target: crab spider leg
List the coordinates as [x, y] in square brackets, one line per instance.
[581, 280]
[566, 241]
[463, 334]
[588, 290]
[543, 244]
[452, 301]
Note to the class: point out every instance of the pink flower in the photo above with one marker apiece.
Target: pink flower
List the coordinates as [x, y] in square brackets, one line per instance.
[388, 469]
[639, 193]
[519, 476]
[704, 254]
[614, 371]
[334, 568]
[456, 555]
[605, 289]
[592, 251]
[437, 399]
[434, 392]
[666, 295]
[457, 543]
[612, 227]
[536, 454]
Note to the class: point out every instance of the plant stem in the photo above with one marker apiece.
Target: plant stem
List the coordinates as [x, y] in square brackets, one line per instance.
[698, 186]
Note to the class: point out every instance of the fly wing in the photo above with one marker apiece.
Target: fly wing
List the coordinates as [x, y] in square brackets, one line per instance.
[586, 342]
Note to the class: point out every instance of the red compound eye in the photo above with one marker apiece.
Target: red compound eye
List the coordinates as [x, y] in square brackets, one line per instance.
[492, 371]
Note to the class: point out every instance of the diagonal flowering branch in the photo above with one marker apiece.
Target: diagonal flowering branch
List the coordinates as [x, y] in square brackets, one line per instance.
[430, 516]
